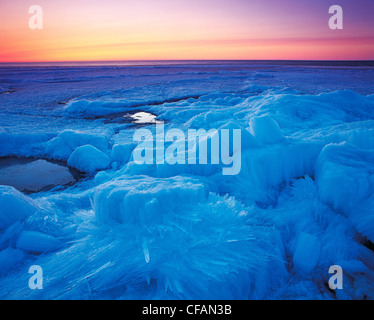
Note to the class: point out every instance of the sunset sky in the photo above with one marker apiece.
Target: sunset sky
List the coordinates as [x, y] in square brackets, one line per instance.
[88, 30]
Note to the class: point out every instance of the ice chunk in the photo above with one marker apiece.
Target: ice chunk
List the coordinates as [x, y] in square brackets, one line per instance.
[92, 108]
[19, 144]
[67, 141]
[14, 206]
[144, 201]
[345, 177]
[307, 253]
[344, 174]
[266, 130]
[247, 139]
[88, 159]
[121, 153]
[34, 241]
[262, 168]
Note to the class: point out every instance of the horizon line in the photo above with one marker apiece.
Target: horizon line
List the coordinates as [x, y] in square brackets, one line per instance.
[187, 60]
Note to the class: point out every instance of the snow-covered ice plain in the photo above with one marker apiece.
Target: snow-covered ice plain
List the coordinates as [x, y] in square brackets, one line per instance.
[302, 202]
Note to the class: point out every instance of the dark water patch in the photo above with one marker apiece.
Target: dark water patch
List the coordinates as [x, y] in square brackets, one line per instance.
[367, 243]
[32, 175]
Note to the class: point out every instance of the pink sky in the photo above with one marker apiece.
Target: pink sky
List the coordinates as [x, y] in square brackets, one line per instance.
[76, 30]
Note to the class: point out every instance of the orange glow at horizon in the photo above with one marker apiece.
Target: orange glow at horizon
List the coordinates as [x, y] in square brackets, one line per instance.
[181, 30]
